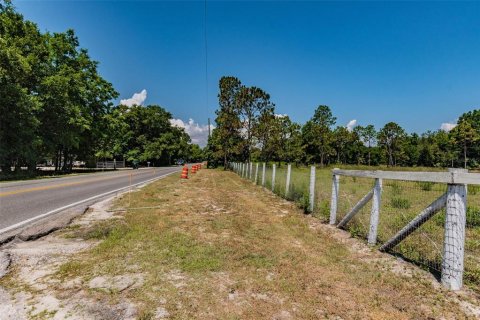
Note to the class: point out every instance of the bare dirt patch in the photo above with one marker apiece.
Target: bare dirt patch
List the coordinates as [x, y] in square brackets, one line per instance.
[35, 289]
[217, 247]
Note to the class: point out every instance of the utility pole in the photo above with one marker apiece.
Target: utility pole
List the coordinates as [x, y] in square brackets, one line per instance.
[209, 128]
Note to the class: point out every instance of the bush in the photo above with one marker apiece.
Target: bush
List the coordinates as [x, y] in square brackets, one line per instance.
[400, 203]
[304, 203]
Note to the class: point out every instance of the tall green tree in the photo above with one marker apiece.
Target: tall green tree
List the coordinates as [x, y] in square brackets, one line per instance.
[144, 134]
[226, 137]
[291, 140]
[342, 140]
[267, 133]
[22, 64]
[317, 134]
[465, 135]
[77, 96]
[251, 102]
[391, 138]
[368, 136]
[52, 98]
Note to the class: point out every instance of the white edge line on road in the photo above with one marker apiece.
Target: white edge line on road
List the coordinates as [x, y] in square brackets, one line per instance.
[46, 214]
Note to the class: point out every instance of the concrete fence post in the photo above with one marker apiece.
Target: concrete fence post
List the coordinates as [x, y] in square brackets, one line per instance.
[334, 199]
[250, 171]
[454, 239]
[311, 197]
[375, 213]
[263, 175]
[287, 183]
[274, 167]
[256, 173]
[243, 170]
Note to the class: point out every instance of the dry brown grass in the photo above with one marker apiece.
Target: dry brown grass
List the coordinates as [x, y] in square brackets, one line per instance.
[221, 248]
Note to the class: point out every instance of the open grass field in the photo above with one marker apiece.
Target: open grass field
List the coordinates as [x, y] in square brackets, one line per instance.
[401, 202]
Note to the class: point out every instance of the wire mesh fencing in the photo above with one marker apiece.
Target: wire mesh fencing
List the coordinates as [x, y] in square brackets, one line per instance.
[472, 238]
[402, 201]
[352, 191]
[409, 216]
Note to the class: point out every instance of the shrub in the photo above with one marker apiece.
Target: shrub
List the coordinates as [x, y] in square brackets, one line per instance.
[304, 203]
[400, 203]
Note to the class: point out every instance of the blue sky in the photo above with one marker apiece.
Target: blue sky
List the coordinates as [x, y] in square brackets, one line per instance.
[415, 63]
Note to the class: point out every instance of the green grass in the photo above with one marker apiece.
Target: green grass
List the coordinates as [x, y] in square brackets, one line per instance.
[69, 269]
[400, 203]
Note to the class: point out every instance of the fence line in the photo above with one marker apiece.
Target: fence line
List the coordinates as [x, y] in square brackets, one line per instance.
[436, 232]
[111, 164]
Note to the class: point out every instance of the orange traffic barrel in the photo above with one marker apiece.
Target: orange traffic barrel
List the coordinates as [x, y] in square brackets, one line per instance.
[184, 173]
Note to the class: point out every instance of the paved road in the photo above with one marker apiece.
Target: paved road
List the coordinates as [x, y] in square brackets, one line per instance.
[23, 200]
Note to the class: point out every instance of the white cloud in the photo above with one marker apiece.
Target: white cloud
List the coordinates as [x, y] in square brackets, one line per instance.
[351, 124]
[279, 115]
[136, 99]
[447, 126]
[197, 132]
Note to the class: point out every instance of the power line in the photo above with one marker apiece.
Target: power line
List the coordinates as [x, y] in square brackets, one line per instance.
[206, 65]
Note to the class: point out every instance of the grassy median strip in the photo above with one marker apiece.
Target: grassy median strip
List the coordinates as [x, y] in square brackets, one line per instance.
[219, 247]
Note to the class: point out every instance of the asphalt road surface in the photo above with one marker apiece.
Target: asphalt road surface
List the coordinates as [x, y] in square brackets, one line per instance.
[26, 200]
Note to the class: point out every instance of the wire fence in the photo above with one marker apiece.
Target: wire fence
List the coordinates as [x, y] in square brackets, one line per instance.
[401, 204]
[472, 238]
[402, 201]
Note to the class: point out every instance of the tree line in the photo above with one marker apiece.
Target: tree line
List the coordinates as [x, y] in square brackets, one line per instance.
[55, 105]
[248, 129]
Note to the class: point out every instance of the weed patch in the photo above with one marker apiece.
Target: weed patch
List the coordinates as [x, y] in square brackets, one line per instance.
[400, 203]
